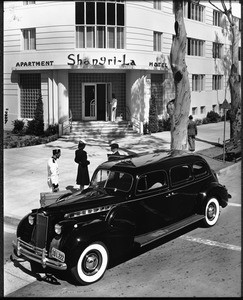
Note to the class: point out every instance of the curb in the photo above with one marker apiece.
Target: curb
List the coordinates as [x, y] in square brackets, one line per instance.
[224, 171]
[11, 220]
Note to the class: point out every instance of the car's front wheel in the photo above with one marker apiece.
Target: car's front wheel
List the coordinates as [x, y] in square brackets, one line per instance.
[211, 212]
[91, 264]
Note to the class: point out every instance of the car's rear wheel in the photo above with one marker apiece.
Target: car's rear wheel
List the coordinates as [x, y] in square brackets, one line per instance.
[91, 264]
[211, 212]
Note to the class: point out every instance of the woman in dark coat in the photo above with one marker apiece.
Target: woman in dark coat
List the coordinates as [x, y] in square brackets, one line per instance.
[81, 160]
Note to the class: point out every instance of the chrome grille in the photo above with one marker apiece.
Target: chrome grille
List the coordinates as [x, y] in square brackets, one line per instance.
[41, 230]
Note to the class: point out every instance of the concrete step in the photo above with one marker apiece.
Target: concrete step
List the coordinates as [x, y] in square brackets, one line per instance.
[103, 125]
[100, 129]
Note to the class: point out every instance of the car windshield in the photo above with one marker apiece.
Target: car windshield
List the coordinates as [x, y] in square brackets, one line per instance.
[112, 180]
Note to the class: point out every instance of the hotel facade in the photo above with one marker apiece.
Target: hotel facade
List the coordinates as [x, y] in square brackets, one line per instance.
[77, 53]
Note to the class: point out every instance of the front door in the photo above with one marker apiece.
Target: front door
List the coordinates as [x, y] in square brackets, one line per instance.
[94, 104]
[89, 111]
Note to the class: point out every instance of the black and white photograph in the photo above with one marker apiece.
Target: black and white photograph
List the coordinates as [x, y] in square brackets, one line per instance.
[122, 149]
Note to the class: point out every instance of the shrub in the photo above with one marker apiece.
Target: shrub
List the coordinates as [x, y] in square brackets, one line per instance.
[6, 116]
[51, 130]
[18, 126]
[36, 126]
[205, 121]
[153, 116]
[199, 122]
[164, 125]
[213, 117]
[146, 128]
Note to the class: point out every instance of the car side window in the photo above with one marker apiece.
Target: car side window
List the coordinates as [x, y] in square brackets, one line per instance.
[152, 181]
[180, 174]
[199, 169]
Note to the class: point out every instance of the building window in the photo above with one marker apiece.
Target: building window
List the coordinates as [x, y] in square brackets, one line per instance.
[193, 11]
[180, 174]
[157, 41]
[157, 4]
[239, 54]
[194, 111]
[202, 110]
[99, 24]
[197, 82]
[217, 50]
[30, 89]
[28, 2]
[217, 82]
[29, 39]
[195, 47]
[214, 108]
[217, 15]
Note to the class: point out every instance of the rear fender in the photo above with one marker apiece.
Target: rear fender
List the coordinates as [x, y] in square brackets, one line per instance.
[217, 190]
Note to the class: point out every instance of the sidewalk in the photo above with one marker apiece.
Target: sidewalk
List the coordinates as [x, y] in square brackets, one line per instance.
[25, 170]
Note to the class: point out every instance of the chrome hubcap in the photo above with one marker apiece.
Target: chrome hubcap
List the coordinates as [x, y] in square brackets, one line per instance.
[91, 262]
[211, 212]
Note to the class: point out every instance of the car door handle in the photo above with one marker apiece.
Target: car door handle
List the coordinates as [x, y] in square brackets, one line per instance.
[170, 194]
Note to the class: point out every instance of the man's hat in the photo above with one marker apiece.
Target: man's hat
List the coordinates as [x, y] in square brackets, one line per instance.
[56, 151]
[114, 145]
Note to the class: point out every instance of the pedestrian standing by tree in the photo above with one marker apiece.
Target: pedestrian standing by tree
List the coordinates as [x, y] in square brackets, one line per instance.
[113, 104]
[53, 171]
[83, 162]
[191, 132]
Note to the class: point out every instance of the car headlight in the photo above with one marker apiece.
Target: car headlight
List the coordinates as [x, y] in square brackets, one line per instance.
[58, 229]
[31, 220]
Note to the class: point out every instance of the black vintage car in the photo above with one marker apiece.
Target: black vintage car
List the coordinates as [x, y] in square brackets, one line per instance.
[129, 201]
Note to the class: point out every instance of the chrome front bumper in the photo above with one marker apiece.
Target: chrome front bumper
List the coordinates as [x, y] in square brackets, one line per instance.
[32, 253]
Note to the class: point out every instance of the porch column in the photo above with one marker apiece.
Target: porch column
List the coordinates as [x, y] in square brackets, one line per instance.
[63, 101]
[55, 96]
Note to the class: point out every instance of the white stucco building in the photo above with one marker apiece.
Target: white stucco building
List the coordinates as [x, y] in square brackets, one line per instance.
[77, 53]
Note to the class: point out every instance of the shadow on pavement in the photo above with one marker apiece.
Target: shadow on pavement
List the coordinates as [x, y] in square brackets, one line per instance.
[208, 142]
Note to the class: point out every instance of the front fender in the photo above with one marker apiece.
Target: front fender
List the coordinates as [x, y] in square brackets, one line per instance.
[121, 218]
[24, 229]
[80, 234]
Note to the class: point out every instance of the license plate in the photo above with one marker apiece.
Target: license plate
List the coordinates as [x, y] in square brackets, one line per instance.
[58, 254]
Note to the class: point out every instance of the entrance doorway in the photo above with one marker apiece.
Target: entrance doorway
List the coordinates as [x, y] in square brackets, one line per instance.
[95, 101]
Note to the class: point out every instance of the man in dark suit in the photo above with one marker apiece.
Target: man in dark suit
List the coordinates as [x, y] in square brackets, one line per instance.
[192, 132]
[115, 153]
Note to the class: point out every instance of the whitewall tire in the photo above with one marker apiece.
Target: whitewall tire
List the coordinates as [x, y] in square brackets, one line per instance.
[91, 264]
[211, 212]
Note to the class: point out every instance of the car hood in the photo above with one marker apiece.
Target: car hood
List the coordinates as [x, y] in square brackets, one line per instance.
[90, 198]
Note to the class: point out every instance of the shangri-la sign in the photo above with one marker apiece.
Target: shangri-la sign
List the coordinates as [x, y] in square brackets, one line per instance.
[78, 60]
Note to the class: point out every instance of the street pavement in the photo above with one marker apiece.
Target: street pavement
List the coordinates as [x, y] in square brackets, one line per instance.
[25, 169]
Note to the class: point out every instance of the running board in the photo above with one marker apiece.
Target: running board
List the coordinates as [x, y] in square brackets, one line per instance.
[145, 239]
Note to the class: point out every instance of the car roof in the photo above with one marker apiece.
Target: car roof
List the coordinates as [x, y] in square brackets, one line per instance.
[151, 161]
